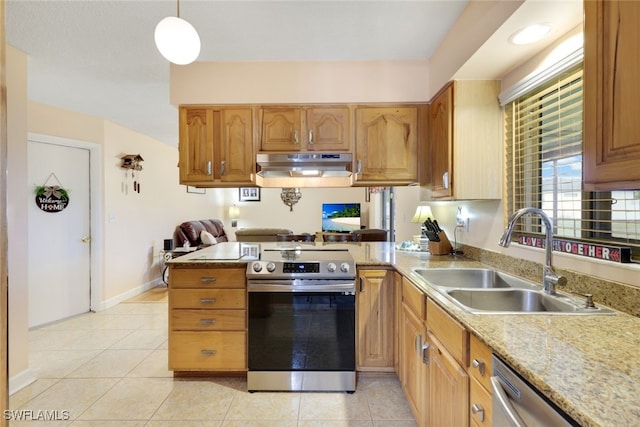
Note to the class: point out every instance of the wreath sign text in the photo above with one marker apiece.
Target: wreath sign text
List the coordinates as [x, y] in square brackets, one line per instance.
[51, 198]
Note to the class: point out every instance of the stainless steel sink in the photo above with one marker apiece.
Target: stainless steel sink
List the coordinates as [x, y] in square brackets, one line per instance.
[486, 291]
[474, 278]
[502, 301]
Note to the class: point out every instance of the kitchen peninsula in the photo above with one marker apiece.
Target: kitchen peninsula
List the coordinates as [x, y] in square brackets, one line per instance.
[588, 366]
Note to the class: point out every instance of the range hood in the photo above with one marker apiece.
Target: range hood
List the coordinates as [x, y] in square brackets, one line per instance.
[282, 170]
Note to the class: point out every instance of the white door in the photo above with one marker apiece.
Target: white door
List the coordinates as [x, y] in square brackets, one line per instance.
[59, 242]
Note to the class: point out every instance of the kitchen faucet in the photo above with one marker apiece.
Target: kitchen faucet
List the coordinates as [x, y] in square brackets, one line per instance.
[550, 279]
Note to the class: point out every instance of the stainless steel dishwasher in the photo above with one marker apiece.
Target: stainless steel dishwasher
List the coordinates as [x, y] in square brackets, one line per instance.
[517, 404]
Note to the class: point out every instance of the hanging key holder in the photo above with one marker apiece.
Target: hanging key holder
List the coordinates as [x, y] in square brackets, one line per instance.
[52, 196]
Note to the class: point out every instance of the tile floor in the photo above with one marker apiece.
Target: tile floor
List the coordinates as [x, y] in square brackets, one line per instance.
[110, 369]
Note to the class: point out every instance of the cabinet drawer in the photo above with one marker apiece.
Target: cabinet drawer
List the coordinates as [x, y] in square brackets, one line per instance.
[480, 402]
[203, 351]
[452, 335]
[480, 366]
[207, 278]
[413, 298]
[210, 298]
[208, 320]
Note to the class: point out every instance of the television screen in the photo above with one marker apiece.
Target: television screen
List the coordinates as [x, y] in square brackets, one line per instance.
[340, 217]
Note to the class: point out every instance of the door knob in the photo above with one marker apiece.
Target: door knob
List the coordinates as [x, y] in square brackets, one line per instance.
[86, 239]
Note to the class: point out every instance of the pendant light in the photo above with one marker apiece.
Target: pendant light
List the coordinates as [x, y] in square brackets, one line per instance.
[177, 40]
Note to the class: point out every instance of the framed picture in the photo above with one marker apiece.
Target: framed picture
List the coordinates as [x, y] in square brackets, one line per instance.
[196, 190]
[249, 250]
[249, 194]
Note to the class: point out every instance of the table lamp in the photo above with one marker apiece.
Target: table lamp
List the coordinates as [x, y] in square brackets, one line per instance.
[422, 214]
[234, 214]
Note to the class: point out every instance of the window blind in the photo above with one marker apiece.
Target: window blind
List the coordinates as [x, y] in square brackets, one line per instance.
[544, 168]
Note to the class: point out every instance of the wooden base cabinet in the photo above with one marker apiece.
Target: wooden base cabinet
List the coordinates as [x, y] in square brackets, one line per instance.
[480, 369]
[207, 319]
[413, 375]
[375, 308]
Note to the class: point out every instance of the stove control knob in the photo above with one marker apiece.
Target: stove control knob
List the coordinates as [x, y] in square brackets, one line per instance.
[331, 267]
[271, 267]
[344, 267]
[257, 267]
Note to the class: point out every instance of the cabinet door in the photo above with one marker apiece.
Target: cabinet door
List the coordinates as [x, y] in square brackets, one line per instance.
[375, 308]
[448, 388]
[440, 142]
[327, 129]
[236, 146]
[412, 369]
[196, 145]
[280, 129]
[611, 69]
[387, 144]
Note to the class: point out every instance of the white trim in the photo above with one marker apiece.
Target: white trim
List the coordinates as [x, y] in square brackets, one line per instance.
[112, 302]
[21, 380]
[538, 77]
[97, 239]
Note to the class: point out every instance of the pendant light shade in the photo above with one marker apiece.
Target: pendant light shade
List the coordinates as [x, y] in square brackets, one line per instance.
[177, 40]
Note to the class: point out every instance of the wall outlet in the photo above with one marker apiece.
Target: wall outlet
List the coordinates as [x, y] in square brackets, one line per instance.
[462, 223]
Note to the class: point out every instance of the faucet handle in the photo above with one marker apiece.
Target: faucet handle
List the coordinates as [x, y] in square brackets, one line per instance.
[588, 303]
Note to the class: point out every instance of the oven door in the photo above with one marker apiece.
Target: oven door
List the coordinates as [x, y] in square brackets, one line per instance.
[301, 337]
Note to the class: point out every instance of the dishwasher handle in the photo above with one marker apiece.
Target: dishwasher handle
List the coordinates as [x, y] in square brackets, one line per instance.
[504, 405]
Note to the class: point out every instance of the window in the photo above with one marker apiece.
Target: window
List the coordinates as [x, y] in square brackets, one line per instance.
[544, 168]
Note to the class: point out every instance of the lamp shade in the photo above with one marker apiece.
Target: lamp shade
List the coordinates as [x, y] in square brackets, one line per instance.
[422, 214]
[234, 212]
[177, 40]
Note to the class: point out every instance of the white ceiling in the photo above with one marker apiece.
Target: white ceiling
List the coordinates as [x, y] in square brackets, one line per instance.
[98, 57]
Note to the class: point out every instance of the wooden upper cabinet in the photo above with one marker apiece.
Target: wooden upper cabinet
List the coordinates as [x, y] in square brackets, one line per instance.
[327, 129]
[305, 128]
[280, 128]
[216, 146]
[466, 141]
[196, 145]
[387, 145]
[236, 145]
[611, 67]
[441, 139]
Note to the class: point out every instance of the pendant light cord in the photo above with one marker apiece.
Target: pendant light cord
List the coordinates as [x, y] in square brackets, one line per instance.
[178, 8]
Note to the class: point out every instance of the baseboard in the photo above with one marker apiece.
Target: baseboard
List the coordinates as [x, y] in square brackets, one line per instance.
[112, 302]
[20, 381]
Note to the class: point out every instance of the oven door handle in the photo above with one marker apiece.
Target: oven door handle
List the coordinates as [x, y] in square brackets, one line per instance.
[286, 286]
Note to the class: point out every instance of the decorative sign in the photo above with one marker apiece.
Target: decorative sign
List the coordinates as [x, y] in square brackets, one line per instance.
[51, 198]
[590, 250]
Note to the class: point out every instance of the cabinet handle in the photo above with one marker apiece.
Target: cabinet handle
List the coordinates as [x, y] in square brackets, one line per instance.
[296, 137]
[479, 365]
[478, 411]
[418, 343]
[209, 168]
[310, 136]
[222, 167]
[425, 353]
[362, 284]
[208, 279]
[207, 300]
[207, 321]
[206, 352]
[359, 167]
[445, 180]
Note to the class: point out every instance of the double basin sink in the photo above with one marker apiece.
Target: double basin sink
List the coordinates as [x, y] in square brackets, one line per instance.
[486, 291]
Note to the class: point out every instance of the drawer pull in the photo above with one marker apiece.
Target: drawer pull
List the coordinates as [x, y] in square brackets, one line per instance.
[478, 410]
[207, 300]
[208, 279]
[479, 365]
[206, 352]
[207, 321]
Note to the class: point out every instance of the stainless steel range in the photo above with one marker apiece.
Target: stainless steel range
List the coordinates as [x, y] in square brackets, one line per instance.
[302, 320]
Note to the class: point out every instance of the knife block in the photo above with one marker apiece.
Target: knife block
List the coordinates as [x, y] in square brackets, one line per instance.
[443, 247]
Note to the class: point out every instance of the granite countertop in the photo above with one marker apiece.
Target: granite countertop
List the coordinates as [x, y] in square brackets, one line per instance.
[588, 365]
